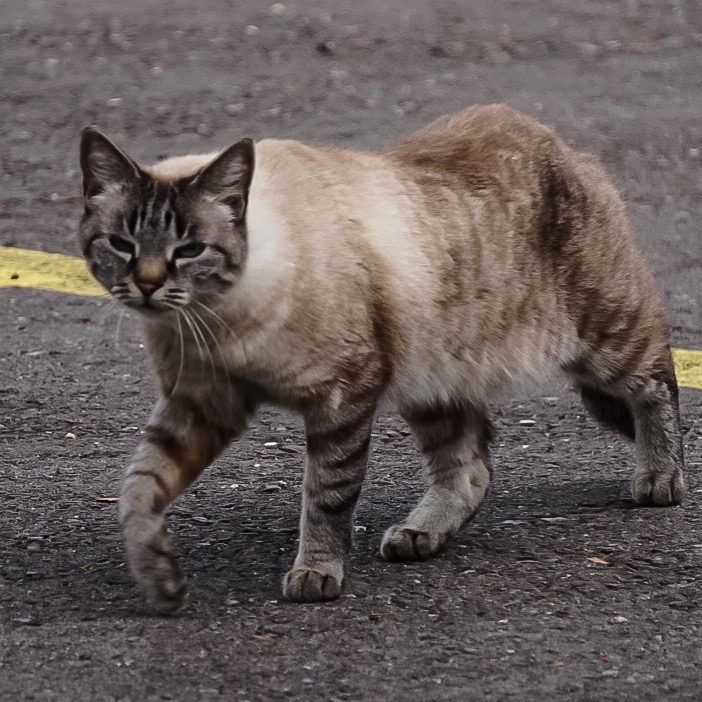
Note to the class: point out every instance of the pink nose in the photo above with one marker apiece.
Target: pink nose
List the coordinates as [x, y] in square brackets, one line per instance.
[147, 287]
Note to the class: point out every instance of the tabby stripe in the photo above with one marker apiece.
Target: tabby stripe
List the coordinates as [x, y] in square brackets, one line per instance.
[157, 478]
[432, 440]
[339, 483]
[165, 440]
[339, 506]
[180, 225]
[132, 221]
[358, 454]
[319, 442]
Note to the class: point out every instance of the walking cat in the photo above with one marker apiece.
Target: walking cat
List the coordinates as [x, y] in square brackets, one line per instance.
[476, 252]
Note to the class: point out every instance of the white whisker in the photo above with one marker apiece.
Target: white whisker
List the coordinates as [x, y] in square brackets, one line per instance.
[182, 353]
[218, 346]
[193, 333]
[196, 326]
[118, 328]
[213, 313]
[100, 320]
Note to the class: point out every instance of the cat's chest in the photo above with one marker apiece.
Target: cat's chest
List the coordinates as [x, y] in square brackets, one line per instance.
[271, 358]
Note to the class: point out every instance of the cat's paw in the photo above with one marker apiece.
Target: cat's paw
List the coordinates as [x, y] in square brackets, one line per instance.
[312, 584]
[402, 543]
[659, 489]
[157, 571]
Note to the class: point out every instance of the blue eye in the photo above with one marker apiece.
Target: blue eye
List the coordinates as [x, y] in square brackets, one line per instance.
[121, 245]
[189, 250]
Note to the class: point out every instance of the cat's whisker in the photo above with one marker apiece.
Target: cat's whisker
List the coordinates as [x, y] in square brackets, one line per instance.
[118, 329]
[208, 329]
[213, 313]
[196, 327]
[182, 353]
[193, 333]
[100, 320]
[218, 346]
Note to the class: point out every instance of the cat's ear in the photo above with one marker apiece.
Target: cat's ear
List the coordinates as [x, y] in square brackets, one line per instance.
[104, 166]
[227, 179]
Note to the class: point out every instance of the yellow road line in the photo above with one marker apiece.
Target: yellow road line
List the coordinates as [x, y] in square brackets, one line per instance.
[21, 268]
[688, 368]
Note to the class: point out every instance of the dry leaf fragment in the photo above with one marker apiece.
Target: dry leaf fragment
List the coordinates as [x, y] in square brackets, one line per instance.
[600, 561]
[557, 664]
[106, 499]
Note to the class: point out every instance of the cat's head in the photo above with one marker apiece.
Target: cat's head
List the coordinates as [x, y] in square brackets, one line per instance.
[156, 244]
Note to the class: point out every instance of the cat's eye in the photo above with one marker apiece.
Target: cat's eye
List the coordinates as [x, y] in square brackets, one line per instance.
[121, 245]
[189, 250]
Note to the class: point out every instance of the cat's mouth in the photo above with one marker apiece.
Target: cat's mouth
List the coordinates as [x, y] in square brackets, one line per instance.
[149, 306]
[150, 301]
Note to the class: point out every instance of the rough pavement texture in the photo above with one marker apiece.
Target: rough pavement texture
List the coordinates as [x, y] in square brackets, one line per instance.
[514, 609]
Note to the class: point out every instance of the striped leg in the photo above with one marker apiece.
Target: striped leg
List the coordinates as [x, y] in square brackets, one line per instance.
[454, 441]
[643, 405]
[179, 443]
[337, 453]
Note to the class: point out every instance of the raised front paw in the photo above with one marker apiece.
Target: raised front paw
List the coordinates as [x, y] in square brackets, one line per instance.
[157, 571]
[402, 543]
[312, 584]
[659, 489]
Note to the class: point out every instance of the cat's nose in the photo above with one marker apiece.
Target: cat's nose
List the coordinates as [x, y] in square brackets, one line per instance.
[147, 287]
[149, 275]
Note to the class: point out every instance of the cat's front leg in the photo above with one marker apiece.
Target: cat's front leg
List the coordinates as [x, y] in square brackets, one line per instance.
[337, 454]
[180, 441]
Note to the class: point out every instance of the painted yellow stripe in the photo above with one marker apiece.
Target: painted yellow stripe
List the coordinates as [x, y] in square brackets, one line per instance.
[21, 268]
[688, 368]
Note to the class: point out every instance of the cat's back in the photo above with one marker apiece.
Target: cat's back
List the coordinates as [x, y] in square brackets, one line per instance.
[482, 147]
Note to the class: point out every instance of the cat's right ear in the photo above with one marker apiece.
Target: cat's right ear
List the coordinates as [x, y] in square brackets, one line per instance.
[104, 166]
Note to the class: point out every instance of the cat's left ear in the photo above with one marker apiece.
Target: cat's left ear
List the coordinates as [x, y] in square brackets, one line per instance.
[227, 179]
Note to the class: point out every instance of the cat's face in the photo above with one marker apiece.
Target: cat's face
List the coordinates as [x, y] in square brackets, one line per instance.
[155, 245]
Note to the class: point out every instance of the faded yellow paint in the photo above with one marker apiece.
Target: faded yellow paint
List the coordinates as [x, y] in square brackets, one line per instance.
[21, 268]
[688, 368]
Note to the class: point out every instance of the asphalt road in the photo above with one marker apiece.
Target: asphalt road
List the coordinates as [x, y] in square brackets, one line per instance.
[559, 590]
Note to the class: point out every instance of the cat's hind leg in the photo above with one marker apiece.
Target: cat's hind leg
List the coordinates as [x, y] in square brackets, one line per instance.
[642, 404]
[454, 440]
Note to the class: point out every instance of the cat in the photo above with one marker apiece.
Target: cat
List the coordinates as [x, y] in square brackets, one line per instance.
[476, 253]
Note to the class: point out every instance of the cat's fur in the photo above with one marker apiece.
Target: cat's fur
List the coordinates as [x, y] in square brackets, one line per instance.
[477, 252]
